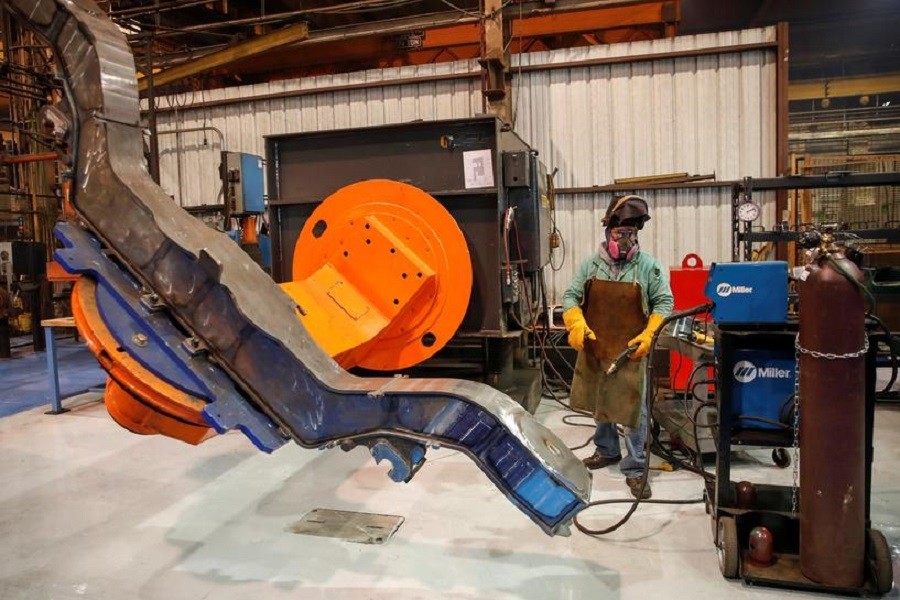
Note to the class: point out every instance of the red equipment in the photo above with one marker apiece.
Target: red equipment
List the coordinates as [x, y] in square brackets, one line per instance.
[687, 288]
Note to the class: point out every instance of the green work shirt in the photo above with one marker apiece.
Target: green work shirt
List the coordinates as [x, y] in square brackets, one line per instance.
[656, 294]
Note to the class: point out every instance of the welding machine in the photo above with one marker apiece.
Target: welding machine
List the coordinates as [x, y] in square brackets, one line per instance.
[761, 383]
[749, 292]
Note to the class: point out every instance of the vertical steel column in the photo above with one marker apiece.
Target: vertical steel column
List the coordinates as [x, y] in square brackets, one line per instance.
[52, 371]
[495, 62]
[782, 154]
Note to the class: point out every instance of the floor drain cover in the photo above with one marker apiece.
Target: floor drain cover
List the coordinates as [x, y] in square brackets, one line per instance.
[362, 528]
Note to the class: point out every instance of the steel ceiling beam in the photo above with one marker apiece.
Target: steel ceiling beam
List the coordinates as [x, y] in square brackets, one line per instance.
[837, 87]
[253, 47]
[138, 11]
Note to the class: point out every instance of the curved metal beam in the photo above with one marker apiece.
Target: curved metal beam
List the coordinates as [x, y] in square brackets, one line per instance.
[247, 325]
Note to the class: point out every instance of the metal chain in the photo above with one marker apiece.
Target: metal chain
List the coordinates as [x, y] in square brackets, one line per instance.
[796, 447]
[831, 355]
[798, 349]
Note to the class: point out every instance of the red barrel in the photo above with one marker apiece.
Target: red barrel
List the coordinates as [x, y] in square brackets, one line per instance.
[832, 426]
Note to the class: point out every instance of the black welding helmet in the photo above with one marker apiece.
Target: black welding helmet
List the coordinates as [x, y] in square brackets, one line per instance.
[629, 211]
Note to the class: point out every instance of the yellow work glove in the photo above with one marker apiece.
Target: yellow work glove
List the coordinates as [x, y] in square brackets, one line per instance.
[577, 327]
[645, 337]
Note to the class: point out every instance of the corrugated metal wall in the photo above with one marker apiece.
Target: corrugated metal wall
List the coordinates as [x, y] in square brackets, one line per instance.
[700, 115]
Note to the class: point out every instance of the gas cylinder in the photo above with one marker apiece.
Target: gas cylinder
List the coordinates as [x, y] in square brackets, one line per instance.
[832, 422]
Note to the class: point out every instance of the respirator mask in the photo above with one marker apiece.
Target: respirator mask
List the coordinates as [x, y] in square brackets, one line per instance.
[621, 242]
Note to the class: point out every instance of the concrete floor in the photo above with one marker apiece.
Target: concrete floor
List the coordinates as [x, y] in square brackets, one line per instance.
[88, 510]
[25, 382]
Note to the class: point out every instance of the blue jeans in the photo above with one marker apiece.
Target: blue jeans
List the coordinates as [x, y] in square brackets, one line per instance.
[607, 441]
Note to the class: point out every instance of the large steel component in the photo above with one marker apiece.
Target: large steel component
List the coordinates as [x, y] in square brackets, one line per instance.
[833, 500]
[156, 254]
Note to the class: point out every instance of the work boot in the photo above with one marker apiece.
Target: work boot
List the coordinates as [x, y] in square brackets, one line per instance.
[634, 484]
[595, 461]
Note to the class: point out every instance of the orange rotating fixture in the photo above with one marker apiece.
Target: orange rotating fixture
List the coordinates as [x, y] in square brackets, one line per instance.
[135, 398]
[382, 275]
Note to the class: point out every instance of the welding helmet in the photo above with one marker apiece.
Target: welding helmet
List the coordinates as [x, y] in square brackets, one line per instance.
[626, 211]
[624, 217]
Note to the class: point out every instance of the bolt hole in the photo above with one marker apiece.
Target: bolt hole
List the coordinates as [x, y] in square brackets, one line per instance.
[396, 301]
[367, 225]
[319, 228]
[419, 275]
[429, 339]
[393, 250]
[346, 254]
[368, 242]
[403, 275]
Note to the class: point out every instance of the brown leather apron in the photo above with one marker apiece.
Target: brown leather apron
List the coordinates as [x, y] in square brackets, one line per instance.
[614, 312]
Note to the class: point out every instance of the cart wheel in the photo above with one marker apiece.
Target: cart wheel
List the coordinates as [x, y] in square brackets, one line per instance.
[880, 569]
[727, 548]
[781, 458]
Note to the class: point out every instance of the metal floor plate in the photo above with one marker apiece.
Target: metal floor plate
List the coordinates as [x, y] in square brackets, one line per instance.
[362, 528]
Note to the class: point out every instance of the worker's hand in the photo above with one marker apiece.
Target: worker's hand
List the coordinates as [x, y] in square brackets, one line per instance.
[577, 327]
[645, 337]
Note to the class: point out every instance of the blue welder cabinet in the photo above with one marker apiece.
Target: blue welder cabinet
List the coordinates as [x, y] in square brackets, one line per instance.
[756, 375]
[761, 386]
[748, 292]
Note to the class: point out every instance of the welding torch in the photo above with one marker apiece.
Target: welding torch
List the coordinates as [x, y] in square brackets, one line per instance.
[620, 359]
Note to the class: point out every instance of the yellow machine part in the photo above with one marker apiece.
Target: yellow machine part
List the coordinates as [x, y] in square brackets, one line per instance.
[382, 275]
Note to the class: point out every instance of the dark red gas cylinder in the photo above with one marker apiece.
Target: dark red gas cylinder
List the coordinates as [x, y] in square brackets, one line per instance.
[832, 424]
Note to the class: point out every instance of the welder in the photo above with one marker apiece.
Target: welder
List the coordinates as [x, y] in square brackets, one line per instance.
[617, 300]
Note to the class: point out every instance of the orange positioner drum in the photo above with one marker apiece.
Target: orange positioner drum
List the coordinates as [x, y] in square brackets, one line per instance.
[382, 275]
[135, 398]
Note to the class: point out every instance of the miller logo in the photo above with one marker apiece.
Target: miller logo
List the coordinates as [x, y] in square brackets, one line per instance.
[724, 290]
[745, 371]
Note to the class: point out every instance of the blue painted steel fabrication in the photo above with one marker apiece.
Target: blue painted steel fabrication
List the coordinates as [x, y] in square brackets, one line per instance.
[457, 423]
[164, 355]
